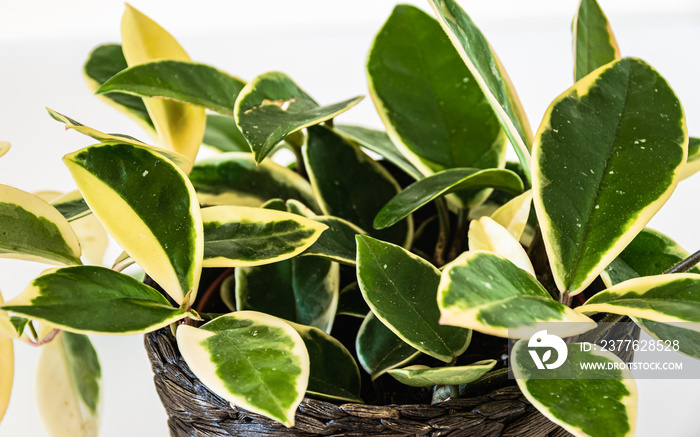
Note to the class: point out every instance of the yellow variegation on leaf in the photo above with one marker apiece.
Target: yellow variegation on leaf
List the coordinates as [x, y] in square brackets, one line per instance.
[4, 147]
[514, 214]
[486, 234]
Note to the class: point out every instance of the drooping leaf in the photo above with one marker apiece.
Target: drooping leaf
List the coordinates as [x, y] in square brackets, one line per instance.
[223, 134]
[253, 360]
[487, 235]
[150, 208]
[4, 147]
[514, 214]
[68, 384]
[88, 299]
[584, 401]
[303, 290]
[183, 81]
[71, 205]
[439, 184]
[380, 143]
[349, 184]
[180, 126]
[336, 243]
[590, 197]
[424, 376]
[272, 106]
[379, 349]
[662, 298]
[104, 62]
[487, 293]
[401, 288]
[235, 179]
[238, 236]
[692, 164]
[594, 41]
[416, 74]
[7, 366]
[333, 371]
[488, 72]
[33, 230]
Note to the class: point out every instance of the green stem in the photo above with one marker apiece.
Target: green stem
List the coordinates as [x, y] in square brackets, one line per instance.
[32, 329]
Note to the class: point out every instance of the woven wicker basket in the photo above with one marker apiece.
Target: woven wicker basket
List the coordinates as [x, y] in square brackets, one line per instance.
[195, 411]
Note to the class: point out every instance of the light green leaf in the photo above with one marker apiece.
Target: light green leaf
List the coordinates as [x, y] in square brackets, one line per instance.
[71, 205]
[663, 298]
[104, 62]
[237, 236]
[336, 243]
[487, 293]
[594, 41]
[692, 164]
[150, 208]
[585, 402]
[223, 134]
[68, 386]
[424, 376]
[333, 374]
[590, 197]
[183, 81]
[426, 190]
[7, 366]
[235, 179]
[272, 106]
[303, 290]
[488, 72]
[379, 349]
[253, 360]
[487, 235]
[33, 230]
[416, 74]
[349, 184]
[87, 299]
[380, 143]
[400, 288]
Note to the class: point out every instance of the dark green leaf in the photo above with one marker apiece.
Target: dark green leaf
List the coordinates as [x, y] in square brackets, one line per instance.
[594, 42]
[336, 243]
[379, 349]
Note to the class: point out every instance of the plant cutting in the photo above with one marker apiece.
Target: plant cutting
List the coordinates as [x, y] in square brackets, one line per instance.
[370, 286]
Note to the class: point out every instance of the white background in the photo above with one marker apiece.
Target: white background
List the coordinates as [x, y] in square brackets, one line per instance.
[323, 46]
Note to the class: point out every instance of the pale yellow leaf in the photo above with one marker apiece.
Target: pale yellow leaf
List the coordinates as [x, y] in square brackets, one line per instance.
[93, 238]
[7, 368]
[513, 215]
[4, 147]
[486, 234]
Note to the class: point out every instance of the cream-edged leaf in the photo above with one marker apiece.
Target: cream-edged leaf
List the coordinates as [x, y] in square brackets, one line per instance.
[487, 235]
[424, 376]
[33, 230]
[692, 164]
[148, 206]
[594, 41]
[379, 349]
[514, 214]
[253, 360]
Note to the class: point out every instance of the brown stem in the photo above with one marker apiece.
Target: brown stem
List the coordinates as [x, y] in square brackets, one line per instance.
[565, 298]
[686, 264]
[444, 234]
[206, 297]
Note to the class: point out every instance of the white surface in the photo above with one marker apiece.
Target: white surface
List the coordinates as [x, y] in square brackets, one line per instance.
[323, 46]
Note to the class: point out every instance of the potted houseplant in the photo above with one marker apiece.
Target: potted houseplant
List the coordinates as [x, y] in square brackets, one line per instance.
[420, 264]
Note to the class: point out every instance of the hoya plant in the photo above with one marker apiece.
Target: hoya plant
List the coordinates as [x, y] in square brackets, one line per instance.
[371, 261]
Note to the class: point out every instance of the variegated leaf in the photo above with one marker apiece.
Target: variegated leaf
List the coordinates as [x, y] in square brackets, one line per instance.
[379, 349]
[514, 214]
[424, 376]
[7, 364]
[692, 164]
[487, 235]
[594, 41]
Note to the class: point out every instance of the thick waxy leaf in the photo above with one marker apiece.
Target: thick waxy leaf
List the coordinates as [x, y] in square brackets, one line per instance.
[349, 184]
[333, 372]
[688, 340]
[182, 161]
[425, 190]
[223, 134]
[585, 402]
[235, 179]
[487, 235]
[379, 349]
[594, 42]
[489, 74]
[336, 243]
[416, 74]
[87, 299]
[7, 365]
[303, 290]
[4, 147]
[424, 376]
[692, 164]
[400, 288]
[662, 298]
[272, 106]
[188, 82]
[253, 360]
[380, 143]
[514, 214]
[487, 293]
[238, 236]
[104, 62]
[148, 205]
[180, 126]
[33, 230]
[71, 205]
[590, 197]
[68, 386]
